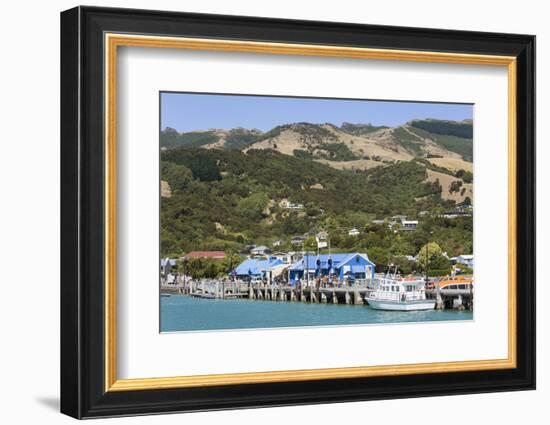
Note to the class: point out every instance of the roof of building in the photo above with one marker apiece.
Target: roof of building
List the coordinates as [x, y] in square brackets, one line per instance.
[205, 254]
[255, 266]
[338, 260]
[260, 248]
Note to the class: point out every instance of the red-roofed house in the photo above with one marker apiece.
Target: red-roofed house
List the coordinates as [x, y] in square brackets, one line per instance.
[215, 255]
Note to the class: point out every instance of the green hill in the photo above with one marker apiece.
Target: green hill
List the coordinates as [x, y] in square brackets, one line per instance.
[463, 129]
[452, 135]
[226, 199]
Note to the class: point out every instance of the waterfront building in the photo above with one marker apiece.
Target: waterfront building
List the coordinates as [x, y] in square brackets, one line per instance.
[346, 266]
[260, 268]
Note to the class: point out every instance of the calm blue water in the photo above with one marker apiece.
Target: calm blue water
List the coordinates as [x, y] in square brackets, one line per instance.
[183, 313]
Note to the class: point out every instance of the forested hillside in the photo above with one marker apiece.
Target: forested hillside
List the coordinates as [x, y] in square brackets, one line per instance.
[225, 199]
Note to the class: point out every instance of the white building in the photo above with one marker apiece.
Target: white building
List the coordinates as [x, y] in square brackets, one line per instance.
[457, 213]
[260, 250]
[285, 257]
[466, 259]
[409, 224]
[353, 232]
[293, 206]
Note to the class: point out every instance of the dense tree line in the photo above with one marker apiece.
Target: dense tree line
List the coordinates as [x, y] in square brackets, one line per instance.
[462, 129]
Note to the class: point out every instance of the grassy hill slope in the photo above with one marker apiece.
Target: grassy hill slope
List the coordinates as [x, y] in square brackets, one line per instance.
[363, 144]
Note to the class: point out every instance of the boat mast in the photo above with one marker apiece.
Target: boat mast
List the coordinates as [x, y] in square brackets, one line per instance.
[306, 265]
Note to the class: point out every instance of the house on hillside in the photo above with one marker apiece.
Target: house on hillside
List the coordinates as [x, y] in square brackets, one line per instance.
[466, 259]
[464, 208]
[260, 250]
[409, 224]
[354, 232]
[297, 240]
[457, 213]
[293, 205]
[322, 235]
[346, 266]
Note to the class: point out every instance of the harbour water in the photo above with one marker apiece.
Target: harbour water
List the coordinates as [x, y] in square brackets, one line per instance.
[184, 313]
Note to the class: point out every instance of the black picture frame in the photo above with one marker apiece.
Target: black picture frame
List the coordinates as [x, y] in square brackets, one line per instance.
[83, 392]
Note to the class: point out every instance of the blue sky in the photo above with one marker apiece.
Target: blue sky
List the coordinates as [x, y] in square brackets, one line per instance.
[190, 111]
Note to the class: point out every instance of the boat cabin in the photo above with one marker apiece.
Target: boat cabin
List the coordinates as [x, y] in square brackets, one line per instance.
[399, 288]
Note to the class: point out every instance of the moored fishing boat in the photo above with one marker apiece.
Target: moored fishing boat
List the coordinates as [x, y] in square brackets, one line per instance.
[399, 294]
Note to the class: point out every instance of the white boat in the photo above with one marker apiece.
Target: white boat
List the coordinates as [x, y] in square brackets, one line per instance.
[399, 294]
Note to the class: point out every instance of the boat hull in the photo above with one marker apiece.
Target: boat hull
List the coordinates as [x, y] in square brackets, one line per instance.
[389, 305]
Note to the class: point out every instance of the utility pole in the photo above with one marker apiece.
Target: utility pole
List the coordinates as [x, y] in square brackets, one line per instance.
[184, 271]
[329, 263]
[306, 264]
[230, 265]
[426, 263]
[307, 269]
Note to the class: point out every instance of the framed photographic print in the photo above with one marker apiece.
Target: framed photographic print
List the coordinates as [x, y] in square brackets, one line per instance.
[261, 212]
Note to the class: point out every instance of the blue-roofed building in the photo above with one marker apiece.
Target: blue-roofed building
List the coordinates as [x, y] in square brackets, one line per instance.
[258, 268]
[349, 266]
